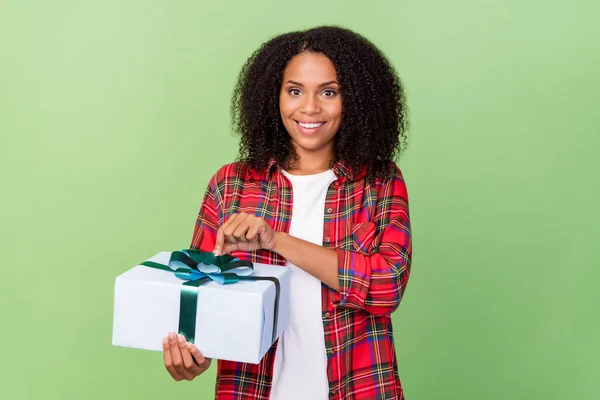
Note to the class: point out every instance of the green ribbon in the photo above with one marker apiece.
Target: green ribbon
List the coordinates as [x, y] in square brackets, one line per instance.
[198, 267]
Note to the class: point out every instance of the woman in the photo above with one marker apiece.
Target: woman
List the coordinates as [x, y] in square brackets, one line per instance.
[321, 118]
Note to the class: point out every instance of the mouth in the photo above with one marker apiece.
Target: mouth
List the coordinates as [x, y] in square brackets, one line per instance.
[309, 127]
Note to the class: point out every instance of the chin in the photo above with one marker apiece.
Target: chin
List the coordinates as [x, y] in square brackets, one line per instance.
[311, 145]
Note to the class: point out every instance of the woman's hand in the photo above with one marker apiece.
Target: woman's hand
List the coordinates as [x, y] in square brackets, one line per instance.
[182, 359]
[244, 232]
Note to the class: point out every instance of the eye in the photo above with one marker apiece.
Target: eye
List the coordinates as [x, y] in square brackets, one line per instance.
[294, 92]
[329, 93]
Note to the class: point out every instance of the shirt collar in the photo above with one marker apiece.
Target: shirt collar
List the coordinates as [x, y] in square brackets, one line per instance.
[340, 169]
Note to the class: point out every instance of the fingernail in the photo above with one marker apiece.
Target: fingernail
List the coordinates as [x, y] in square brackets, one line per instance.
[171, 335]
[181, 338]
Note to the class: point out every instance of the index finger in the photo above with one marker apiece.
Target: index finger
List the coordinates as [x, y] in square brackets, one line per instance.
[220, 237]
[219, 242]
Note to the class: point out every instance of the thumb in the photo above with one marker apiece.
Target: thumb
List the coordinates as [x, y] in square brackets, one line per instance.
[227, 248]
[219, 242]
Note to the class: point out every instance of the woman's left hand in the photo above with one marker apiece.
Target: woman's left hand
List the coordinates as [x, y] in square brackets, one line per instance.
[244, 232]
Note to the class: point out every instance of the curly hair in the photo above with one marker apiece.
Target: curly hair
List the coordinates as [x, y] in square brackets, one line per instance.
[373, 130]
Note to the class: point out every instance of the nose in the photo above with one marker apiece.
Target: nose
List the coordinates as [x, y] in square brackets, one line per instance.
[311, 105]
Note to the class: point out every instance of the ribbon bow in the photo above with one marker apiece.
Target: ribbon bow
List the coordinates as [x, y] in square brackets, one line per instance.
[194, 265]
[197, 267]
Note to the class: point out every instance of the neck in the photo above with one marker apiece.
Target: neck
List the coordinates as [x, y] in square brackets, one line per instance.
[309, 163]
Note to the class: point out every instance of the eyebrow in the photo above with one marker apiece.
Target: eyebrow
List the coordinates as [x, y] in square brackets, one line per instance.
[321, 85]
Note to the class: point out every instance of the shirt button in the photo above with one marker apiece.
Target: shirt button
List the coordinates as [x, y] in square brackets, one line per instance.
[327, 315]
[329, 210]
[327, 240]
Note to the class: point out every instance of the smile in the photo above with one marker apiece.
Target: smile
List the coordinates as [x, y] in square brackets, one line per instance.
[310, 125]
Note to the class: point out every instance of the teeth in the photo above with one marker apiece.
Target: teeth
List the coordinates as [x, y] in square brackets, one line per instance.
[310, 126]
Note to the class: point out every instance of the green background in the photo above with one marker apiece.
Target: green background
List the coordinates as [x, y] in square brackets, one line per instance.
[107, 106]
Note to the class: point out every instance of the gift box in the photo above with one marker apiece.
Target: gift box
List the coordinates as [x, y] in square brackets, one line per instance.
[231, 310]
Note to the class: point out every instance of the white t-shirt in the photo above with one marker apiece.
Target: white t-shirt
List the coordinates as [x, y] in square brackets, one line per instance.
[300, 369]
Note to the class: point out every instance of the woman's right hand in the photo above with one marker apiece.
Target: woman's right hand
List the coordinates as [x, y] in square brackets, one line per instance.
[182, 359]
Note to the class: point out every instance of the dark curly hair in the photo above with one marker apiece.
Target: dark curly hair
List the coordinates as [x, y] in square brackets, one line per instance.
[373, 130]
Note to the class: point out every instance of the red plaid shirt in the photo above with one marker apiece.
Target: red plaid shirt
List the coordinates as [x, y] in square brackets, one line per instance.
[368, 226]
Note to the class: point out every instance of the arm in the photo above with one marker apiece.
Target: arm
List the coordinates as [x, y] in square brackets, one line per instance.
[373, 281]
[372, 278]
[320, 262]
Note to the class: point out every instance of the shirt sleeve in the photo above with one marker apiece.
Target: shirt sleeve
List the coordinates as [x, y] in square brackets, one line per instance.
[374, 277]
[205, 229]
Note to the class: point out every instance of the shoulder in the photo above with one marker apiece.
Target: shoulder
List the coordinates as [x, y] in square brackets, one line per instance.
[237, 173]
[227, 171]
[392, 176]
[394, 184]
[396, 172]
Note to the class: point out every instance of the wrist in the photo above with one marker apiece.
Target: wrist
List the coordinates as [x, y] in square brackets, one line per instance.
[277, 239]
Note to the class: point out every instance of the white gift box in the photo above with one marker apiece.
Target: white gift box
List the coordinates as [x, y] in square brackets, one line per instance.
[233, 322]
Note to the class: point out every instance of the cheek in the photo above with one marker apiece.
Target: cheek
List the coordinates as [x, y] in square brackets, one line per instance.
[335, 110]
[285, 114]
[286, 111]
[336, 115]
[284, 105]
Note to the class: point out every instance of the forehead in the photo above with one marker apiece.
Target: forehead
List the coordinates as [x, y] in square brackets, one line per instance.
[310, 68]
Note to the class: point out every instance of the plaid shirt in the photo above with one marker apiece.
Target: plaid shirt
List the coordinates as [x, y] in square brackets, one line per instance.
[368, 226]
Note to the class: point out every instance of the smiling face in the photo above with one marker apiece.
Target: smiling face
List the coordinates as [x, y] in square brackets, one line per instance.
[311, 105]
